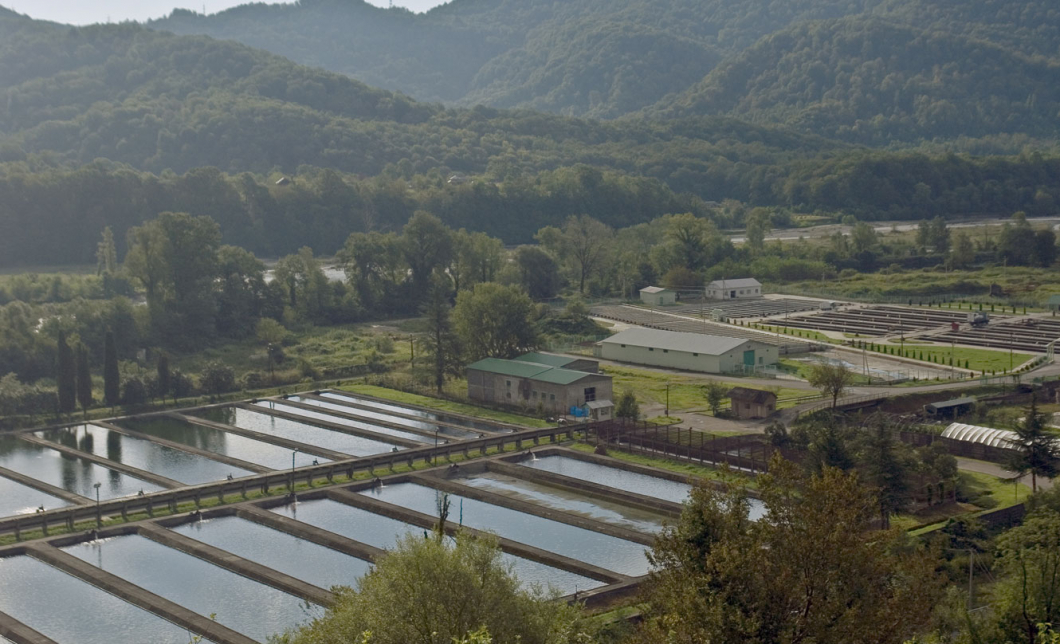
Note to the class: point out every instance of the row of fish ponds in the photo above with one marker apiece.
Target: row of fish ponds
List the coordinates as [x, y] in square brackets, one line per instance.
[63, 466]
[577, 523]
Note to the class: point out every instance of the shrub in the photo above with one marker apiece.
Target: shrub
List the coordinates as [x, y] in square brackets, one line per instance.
[217, 378]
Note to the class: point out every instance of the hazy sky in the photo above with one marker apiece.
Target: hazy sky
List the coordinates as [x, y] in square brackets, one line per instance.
[83, 12]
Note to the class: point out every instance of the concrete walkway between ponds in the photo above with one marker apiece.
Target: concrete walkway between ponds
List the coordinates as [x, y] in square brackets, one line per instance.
[135, 595]
[335, 427]
[516, 548]
[58, 492]
[19, 633]
[134, 472]
[237, 564]
[214, 456]
[285, 443]
[310, 533]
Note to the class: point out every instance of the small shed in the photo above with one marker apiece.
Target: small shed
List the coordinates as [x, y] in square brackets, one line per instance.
[1054, 303]
[750, 403]
[950, 408]
[601, 409]
[657, 296]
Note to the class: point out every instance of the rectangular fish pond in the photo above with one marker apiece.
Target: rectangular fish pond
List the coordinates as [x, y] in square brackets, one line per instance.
[190, 469]
[220, 442]
[422, 425]
[420, 413]
[384, 532]
[310, 416]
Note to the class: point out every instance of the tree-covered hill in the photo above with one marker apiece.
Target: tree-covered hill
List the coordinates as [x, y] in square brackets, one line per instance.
[606, 58]
[875, 82]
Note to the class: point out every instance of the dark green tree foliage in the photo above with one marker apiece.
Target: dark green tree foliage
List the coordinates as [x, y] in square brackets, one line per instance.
[66, 376]
[218, 378]
[1037, 453]
[111, 377]
[427, 246]
[494, 321]
[627, 406]
[538, 272]
[1029, 593]
[84, 378]
[443, 345]
[164, 381]
[885, 471]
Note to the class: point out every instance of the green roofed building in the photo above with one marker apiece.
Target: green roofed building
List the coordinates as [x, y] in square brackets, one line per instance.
[547, 385]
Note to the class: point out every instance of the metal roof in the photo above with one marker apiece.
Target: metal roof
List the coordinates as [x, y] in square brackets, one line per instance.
[549, 359]
[982, 435]
[653, 289]
[532, 371]
[740, 283]
[757, 396]
[599, 404]
[711, 345]
[509, 367]
[947, 404]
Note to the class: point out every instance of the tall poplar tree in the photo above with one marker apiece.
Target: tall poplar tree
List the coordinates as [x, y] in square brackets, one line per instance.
[84, 378]
[66, 376]
[111, 389]
[164, 379]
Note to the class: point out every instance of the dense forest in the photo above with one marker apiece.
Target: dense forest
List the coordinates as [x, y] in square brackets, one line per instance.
[608, 58]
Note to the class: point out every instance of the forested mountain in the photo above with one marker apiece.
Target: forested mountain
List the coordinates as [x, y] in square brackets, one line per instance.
[874, 82]
[606, 58]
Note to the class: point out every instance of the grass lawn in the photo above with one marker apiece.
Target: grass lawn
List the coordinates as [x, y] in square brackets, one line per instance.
[445, 405]
[984, 491]
[686, 391]
[978, 359]
[801, 369]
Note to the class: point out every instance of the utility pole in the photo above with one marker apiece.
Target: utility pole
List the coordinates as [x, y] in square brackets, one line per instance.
[971, 589]
[667, 414]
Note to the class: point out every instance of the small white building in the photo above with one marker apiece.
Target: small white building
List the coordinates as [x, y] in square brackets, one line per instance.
[687, 351]
[657, 296]
[734, 289]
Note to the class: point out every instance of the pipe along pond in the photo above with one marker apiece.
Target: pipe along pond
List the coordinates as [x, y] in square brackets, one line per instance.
[240, 571]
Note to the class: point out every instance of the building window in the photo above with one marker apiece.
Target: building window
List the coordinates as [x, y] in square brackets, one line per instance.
[623, 346]
[650, 349]
[590, 394]
[552, 397]
[509, 383]
[666, 351]
[695, 355]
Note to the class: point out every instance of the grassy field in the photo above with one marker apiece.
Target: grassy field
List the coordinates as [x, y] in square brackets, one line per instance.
[985, 492]
[978, 359]
[688, 469]
[686, 391]
[444, 405]
[801, 369]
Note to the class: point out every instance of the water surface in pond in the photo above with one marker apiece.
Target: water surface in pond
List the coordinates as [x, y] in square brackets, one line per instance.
[601, 550]
[280, 551]
[241, 604]
[69, 473]
[190, 469]
[384, 532]
[295, 431]
[16, 498]
[69, 611]
[310, 416]
[460, 434]
[218, 441]
[567, 501]
[409, 411]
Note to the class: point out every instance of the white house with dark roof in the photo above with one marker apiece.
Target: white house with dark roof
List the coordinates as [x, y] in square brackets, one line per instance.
[686, 351]
[734, 289]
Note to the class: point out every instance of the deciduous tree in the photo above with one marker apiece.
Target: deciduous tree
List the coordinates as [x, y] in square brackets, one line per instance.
[494, 321]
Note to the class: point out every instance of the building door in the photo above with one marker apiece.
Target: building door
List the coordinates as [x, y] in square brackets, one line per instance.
[749, 358]
[732, 295]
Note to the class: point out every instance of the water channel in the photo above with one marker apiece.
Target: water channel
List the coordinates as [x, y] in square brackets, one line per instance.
[566, 501]
[295, 431]
[246, 606]
[280, 551]
[384, 532]
[409, 411]
[635, 482]
[217, 441]
[71, 611]
[190, 469]
[460, 434]
[601, 550]
[310, 416]
[69, 473]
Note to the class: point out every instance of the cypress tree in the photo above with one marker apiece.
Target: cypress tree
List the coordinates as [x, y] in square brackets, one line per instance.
[164, 380]
[66, 377]
[111, 393]
[84, 379]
